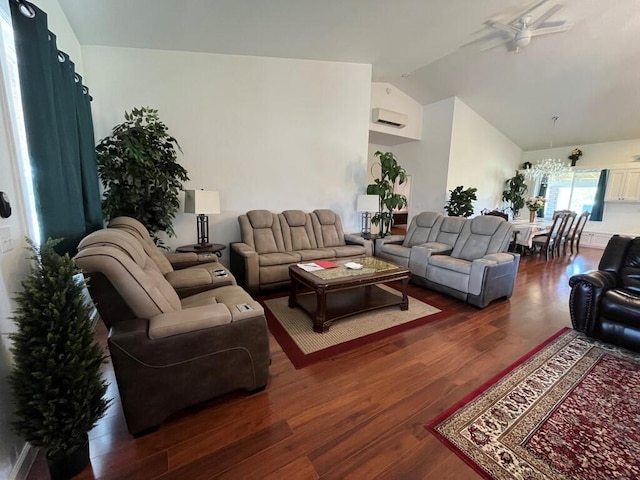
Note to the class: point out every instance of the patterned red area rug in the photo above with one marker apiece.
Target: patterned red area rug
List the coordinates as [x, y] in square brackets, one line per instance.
[568, 410]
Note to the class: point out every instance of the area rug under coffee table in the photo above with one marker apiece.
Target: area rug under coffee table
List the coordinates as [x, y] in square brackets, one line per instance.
[568, 410]
[293, 328]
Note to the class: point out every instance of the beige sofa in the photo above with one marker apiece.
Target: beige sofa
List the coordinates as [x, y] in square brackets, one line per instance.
[271, 242]
[466, 258]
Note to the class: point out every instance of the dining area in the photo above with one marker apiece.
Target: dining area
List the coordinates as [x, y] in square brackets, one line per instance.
[555, 237]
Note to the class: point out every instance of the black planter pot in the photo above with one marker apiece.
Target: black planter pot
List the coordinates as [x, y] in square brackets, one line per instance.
[71, 464]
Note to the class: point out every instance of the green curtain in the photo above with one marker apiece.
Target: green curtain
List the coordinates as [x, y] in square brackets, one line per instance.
[57, 117]
[598, 202]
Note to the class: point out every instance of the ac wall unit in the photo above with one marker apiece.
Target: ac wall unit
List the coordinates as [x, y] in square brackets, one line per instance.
[387, 117]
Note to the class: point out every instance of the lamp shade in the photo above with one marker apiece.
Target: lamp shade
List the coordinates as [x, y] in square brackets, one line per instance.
[201, 202]
[367, 203]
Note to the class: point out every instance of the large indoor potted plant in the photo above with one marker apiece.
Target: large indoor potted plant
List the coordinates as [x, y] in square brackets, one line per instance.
[391, 174]
[514, 194]
[57, 386]
[138, 168]
[460, 201]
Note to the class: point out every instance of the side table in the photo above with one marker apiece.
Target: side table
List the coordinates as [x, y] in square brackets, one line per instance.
[215, 248]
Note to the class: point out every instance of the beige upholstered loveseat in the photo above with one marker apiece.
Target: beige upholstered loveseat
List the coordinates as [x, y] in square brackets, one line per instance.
[273, 241]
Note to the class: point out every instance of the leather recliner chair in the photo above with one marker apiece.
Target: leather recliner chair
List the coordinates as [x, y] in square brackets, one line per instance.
[169, 353]
[605, 303]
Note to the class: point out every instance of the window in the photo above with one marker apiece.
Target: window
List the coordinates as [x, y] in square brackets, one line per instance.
[9, 71]
[575, 191]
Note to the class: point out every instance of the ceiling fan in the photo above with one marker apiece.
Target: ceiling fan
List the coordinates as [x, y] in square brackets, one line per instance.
[519, 29]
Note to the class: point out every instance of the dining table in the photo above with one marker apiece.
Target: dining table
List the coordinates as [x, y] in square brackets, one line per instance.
[526, 230]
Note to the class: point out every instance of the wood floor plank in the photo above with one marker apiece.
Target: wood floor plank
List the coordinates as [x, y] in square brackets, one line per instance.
[360, 414]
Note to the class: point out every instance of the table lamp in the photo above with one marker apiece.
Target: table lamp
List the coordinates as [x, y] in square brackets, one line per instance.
[202, 203]
[367, 204]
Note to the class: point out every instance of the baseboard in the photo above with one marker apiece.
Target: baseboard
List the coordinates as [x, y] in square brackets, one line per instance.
[24, 462]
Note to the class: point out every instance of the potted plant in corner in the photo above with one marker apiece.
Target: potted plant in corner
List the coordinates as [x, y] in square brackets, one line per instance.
[56, 381]
[384, 187]
[514, 194]
[137, 165]
[459, 204]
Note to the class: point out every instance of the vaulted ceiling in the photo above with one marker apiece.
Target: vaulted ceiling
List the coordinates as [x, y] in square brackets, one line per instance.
[589, 76]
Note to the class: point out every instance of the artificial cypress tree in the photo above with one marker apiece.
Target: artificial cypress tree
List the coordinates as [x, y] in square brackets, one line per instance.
[57, 385]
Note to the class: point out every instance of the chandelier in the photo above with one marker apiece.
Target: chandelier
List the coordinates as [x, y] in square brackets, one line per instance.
[551, 168]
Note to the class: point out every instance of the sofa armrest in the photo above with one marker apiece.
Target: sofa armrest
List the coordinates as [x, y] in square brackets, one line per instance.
[587, 290]
[188, 320]
[500, 264]
[418, 260]
[395, 239]
[245, 266]
[183, 260]
[355, 239]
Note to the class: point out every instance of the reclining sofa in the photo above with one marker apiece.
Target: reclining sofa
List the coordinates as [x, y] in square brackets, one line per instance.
[273, 241]
[169, 353]
[605, 303]
[465, 258]
[186, 272]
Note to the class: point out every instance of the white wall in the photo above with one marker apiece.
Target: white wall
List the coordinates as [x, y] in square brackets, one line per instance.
[621, 218]
[266, 133]
[427, 161]
[481, 157]
[387, 96]
[458, 147]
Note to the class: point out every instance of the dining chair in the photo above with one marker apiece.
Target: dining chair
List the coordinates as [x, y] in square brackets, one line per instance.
[563, 238]
[558, 212]
[547, 241]
[576, 231]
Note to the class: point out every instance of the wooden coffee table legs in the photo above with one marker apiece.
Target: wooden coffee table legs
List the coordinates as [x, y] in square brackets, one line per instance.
[404, 305]
[326, 306]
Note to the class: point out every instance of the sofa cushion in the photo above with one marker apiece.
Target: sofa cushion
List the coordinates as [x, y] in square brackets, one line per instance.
[297, 230]
[280, 258]
[316, 254]
[396, 250]
[622, 306]
[481, 236]
[349, 251]
[138, 230]
[328, 228]
[261, 230]
[451, 263]
[629, 278]
[420, 228]
[449, 231]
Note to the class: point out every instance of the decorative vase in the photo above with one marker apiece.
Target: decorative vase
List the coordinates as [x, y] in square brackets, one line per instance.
[532, 216]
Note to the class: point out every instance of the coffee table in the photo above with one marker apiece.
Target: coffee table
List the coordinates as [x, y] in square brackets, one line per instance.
[339, 292]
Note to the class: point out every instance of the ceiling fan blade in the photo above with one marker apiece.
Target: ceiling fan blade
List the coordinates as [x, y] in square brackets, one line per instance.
[539, 21]
[545, 30]
[502, 26]
[494, 44]
[532, 6]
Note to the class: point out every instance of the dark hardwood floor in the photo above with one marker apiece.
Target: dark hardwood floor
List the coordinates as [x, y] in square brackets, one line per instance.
[359, 415]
